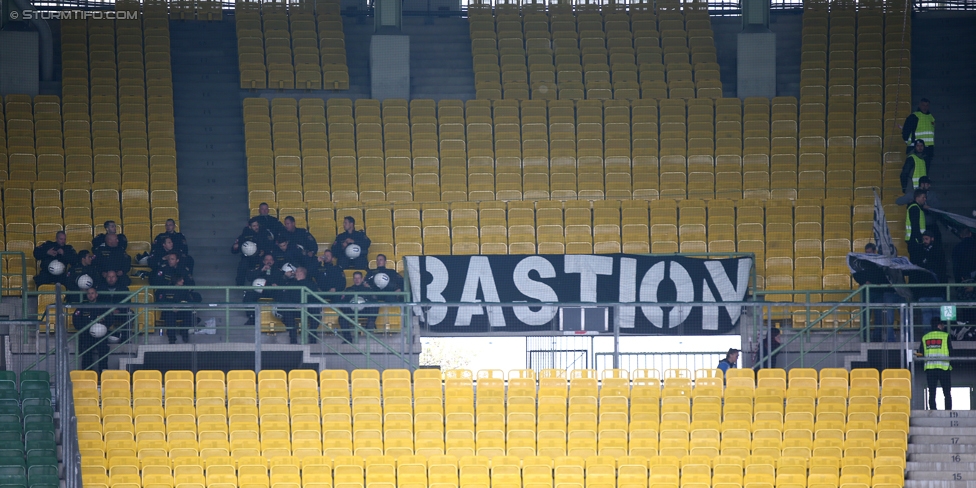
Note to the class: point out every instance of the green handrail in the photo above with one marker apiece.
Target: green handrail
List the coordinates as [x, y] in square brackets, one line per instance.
[24, 285]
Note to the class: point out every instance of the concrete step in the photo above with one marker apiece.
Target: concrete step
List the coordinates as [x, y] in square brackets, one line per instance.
[942, 458]
[915, 447]
[939, 484]
[950, 466]
[947, 422]
[951, 475]
[943, 438]
[941, 431]
[920, 414]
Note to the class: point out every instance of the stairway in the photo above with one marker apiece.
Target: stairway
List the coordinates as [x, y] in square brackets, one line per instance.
[787, 26]
[440, 58]
[941, 449]
[211, 163]
[943, 68]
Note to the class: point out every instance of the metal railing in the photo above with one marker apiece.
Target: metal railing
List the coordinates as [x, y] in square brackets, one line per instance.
[661, 361]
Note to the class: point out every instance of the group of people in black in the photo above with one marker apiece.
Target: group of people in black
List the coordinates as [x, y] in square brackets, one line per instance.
[101, 277]
[277, 257]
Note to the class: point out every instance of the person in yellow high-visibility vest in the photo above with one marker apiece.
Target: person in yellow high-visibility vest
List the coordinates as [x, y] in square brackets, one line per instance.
[920, 125]
[915, 223]
[937, 345]
[915, 168]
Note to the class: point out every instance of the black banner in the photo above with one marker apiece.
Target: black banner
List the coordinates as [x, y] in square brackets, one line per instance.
[579, 279]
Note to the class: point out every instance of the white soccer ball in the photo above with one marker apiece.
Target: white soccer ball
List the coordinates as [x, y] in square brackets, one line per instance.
[259, 282]
[98, 330]
[249, 248]
[55, 267]
[288, 268]
[381, 280]
[85, 282]
[358, 303]
[353, 251]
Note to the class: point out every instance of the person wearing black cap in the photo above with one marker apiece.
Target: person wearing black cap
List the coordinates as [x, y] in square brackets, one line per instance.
[173, 316]
[936, 346]
[915, 167]
[767, 344]
[729, 361]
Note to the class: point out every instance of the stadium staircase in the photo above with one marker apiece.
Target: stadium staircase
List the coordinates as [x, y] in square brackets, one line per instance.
[945, 77]
[440, 58]
[787, 26]
[941, 449]
[210, 144]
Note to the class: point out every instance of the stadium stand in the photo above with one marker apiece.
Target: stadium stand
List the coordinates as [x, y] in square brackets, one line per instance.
[593, 51]
[104, 150]
[29, 457]
[457, 164]
[303, 47]
[606, 429]
[856, 76]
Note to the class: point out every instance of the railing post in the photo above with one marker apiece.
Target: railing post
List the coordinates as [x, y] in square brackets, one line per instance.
[257, 338]
[616, 339]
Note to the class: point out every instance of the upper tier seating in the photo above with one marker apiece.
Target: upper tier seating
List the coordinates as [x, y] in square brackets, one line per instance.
[593, 51]
[29, 458]
[856, 76]
[302, 47]
[104, 151]
[583, 429]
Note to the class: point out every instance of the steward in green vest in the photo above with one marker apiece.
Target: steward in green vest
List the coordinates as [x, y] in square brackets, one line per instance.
[915, 167]
[937, 345]
[915, 222]
[920, 125]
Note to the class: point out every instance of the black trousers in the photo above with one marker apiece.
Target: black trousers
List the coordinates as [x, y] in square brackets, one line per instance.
[46, 278]
[346, 327]
[935, 377]
[293, 322]
[171, 318]
[94, 358]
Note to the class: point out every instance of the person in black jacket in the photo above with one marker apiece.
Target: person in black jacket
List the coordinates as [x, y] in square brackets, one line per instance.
[872, 274]
[158, 257]
[253, 232]
[394, 283]
[931, 257]
[110, 291]
[111, 257]
[268, 221]
[292, 318]
[776, 338]
[285, 252]
[94, 350]
[169, 270]
[177, 238]
[56, 250]
[173, 316]
[84, 265]
[357, 296]
[267, 271]
[298, 237]
[329, 277]
[351, 236]
[110, 229]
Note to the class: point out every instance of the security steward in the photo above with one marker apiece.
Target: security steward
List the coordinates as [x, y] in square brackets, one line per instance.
[172, 317]
[110, 229]
[179, 240]
[93, 350]
[84, 265]
[170, 269]
[360, 291]
[285, 252]
[111, 257]
[920, 125]
[299, 237]
[915, 224]
[268, 221]
[59, 250]
[937, 344]
[270, 273]
[255, 233]
[915, 168]
[351, 236]
[292, 318]
[110, 291]
[394, 282]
